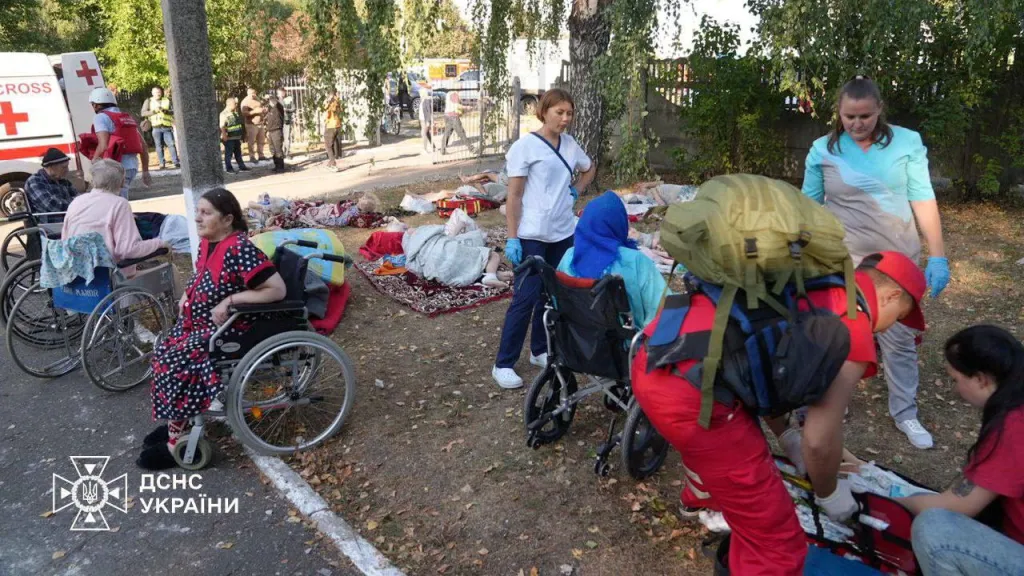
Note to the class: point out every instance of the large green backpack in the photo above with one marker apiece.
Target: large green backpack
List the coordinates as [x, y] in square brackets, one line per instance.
[755, 234]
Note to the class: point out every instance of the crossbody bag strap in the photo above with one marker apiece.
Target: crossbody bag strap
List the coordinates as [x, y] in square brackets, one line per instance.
[557, 153]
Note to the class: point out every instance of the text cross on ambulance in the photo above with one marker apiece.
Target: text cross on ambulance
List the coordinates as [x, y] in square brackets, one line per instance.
[86, 72]
[9, 119]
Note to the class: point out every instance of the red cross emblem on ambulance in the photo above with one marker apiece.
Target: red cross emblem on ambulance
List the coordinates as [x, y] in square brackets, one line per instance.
[86, 72]
[10, 119]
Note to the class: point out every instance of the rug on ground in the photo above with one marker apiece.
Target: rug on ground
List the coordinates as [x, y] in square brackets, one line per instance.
[433, 298]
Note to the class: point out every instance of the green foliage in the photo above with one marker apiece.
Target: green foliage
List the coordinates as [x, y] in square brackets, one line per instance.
[945, 66]
[731, 117]
[382, 57]
[435, 29]
[134, 53]
[350, 44]
[621, 71]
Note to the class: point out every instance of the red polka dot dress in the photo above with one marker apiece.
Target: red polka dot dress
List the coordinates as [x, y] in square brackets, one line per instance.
[184, 379]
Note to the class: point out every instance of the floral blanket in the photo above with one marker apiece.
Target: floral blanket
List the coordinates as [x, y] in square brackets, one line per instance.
[433, 298]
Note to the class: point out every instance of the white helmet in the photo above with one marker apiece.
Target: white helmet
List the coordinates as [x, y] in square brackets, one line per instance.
[102, 96]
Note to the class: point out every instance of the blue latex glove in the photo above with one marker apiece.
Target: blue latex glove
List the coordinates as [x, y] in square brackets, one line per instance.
[514, 251]
[937, 274]
[574, 193]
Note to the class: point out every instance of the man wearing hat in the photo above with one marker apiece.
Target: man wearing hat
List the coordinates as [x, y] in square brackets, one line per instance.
[49, 190]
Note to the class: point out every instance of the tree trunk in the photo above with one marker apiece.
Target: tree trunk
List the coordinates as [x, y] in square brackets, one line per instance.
[589, 35]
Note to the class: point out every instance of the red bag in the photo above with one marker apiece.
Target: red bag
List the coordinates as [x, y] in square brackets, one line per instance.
[124, 140]
[470, 206]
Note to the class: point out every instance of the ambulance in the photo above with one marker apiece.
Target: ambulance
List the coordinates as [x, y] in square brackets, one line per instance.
[44, 103]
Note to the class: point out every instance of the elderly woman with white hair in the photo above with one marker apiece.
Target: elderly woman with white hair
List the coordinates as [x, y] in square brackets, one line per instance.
[103, 210]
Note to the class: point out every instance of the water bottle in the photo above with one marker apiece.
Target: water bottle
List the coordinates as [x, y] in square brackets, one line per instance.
[265, 200]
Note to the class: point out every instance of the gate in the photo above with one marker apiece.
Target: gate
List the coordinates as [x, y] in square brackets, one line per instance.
[489, 125]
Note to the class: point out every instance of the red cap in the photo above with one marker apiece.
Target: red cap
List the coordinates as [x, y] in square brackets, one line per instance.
[908, 275]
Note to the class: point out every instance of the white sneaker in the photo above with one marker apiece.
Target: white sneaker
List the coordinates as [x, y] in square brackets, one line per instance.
[541, 361]
[916, 433]
[714, 521]
[507, 378]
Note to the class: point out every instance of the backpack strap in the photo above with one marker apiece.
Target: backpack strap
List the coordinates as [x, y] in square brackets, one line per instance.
[714, 357]
[849, 274]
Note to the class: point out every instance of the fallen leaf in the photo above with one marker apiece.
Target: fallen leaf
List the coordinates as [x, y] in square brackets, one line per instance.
[58, 554]
[483, 551]
[534, 571]
[871, 451]
[46, 514]
[591, 544]
[565, 569]
[448, 447]
[224, 545]
[371, 525]
[577, 553]
[593, 529]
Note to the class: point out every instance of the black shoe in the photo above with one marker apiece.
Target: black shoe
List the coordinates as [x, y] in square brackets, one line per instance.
[177, 164]
[157, 457]
[229, 170]
[158, 436]
[243, 169]
[163, 167]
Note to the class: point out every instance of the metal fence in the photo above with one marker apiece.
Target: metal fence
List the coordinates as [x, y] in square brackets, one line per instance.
[487, 127]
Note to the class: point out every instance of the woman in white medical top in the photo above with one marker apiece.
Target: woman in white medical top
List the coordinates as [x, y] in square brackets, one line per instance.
[541, 223]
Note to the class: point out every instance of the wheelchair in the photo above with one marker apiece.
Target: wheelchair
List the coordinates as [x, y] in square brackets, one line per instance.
[288, 388]
[108, 326]
[590, 332]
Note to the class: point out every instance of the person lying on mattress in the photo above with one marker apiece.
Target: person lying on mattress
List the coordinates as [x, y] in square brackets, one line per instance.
[976, 527]
[460, 259]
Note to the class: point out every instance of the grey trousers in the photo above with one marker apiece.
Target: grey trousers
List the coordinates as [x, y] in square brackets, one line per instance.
[899, 356]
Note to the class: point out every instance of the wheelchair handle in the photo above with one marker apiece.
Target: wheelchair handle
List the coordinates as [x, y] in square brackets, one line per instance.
[528, 263]
[334, 258]
[600, 286]
[303, 243]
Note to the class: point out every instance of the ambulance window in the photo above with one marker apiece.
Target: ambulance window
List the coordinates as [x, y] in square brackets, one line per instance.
[450, 71]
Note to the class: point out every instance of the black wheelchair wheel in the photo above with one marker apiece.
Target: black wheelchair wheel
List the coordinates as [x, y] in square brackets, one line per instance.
[545, 396]
[16, 249]
[16, 282]
[643, 448]
[290, 392]
[42, 340]
[120, 337]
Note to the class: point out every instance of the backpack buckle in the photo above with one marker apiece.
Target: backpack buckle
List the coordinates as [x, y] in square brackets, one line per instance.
[805, 238]
[795, 250]
[750, 247]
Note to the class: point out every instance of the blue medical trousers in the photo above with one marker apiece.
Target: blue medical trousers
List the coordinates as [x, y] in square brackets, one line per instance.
[527, 303]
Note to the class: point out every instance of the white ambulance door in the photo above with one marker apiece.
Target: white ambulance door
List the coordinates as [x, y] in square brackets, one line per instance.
[32, 113]
[82, 74]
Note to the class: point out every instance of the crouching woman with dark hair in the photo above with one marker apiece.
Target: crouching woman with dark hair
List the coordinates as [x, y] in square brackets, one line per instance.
[230, 270]
[987, 365]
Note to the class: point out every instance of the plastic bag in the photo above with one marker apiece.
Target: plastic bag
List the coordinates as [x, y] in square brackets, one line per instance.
[417, 204]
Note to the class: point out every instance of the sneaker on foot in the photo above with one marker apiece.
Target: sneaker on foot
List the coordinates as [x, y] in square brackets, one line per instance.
[540, 360]
[229, 170]
[916, 433]
[507, 378]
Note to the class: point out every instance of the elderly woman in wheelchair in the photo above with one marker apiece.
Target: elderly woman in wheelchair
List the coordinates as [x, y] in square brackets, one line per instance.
[242, 347]
[597, 303]
[230, 270]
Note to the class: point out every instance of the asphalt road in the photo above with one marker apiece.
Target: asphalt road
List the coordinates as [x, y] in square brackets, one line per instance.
[43, 423]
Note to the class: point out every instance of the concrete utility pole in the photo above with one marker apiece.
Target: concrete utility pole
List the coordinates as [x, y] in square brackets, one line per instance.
[195, 103]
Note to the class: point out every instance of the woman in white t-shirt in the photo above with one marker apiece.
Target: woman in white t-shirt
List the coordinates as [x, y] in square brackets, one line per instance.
[541, 195]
